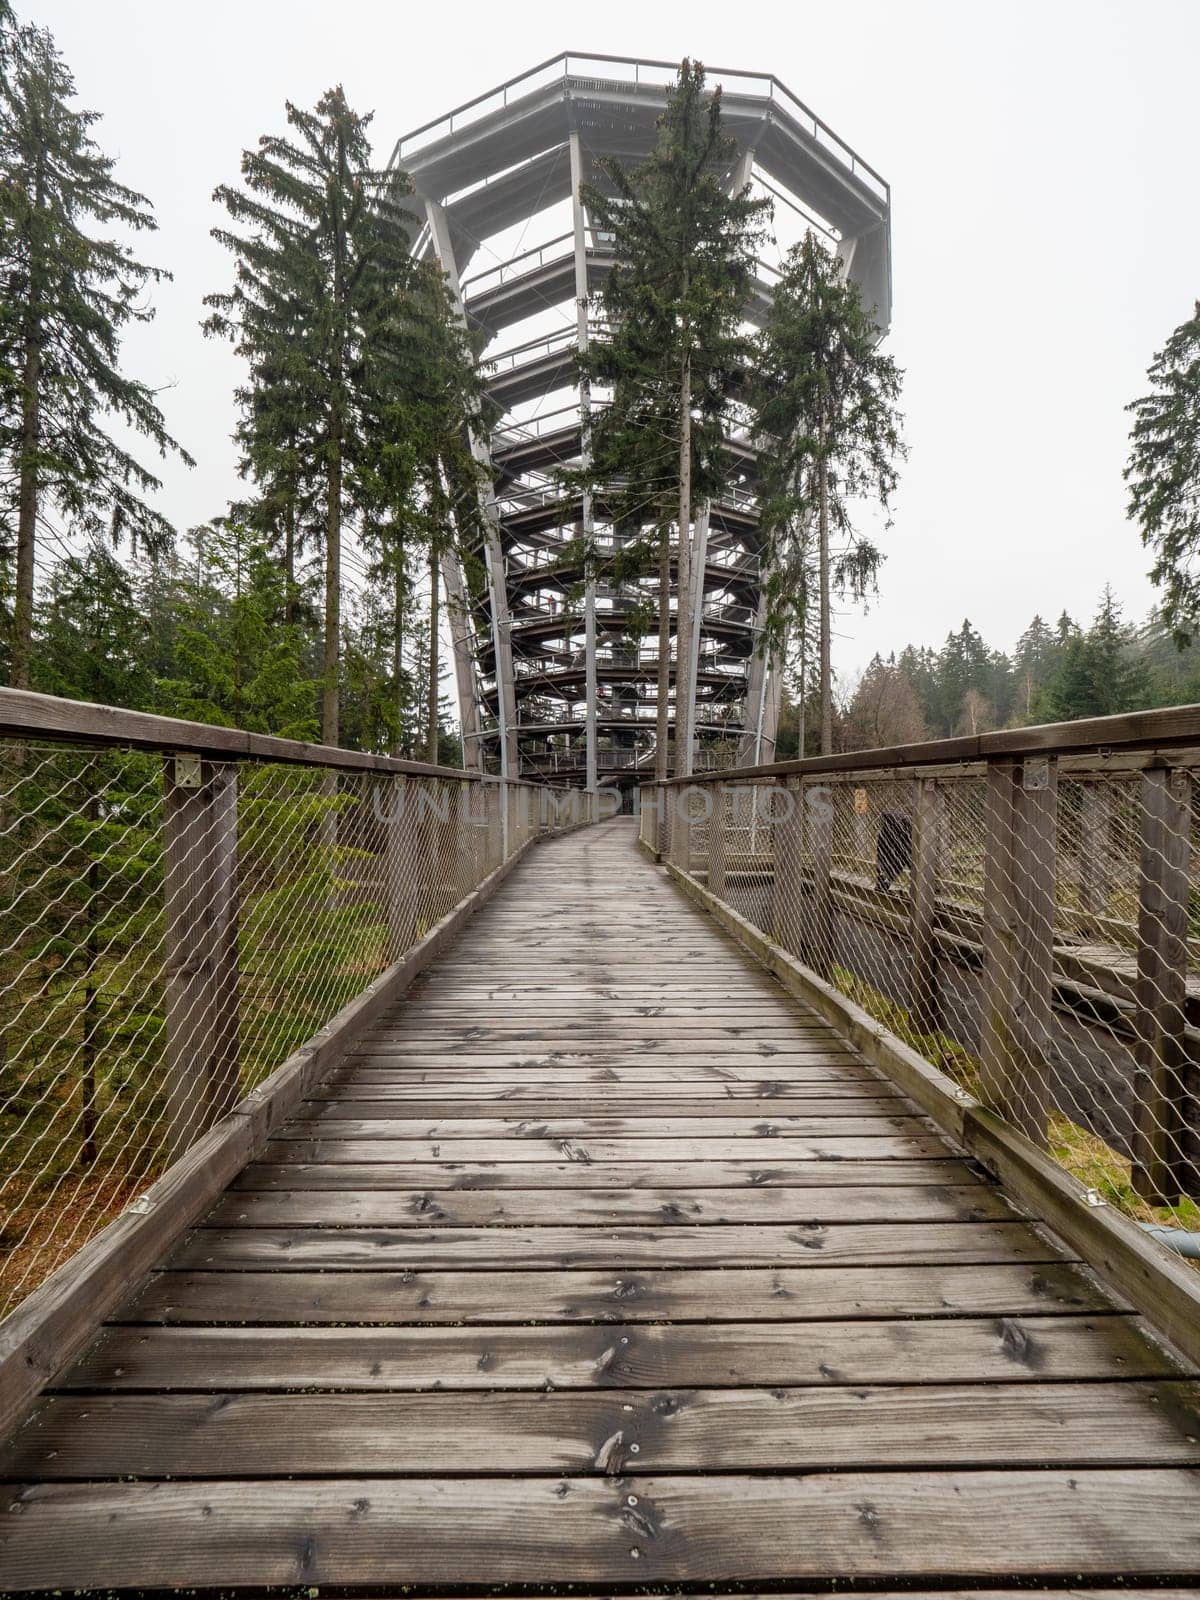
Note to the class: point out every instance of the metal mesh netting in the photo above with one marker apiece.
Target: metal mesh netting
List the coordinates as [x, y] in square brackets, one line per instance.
[169, 936]
[1031, 928]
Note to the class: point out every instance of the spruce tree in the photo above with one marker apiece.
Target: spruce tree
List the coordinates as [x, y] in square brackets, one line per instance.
[684, 250]
[1034, 661]
[323, 253]
[70, 289]
[92, 632]
[963, 668]
[828, 431]
[1163, 474]
[1115, 678]
[425, 480]
[235, 661]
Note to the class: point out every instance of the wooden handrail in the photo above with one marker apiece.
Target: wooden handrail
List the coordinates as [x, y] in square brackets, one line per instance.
[1133, 730]
[25, 715]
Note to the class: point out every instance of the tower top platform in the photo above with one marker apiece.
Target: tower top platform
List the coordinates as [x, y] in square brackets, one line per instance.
[496, 158]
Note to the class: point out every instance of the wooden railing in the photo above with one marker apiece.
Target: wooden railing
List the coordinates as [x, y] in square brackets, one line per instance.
[190, 918]
[1017, 912]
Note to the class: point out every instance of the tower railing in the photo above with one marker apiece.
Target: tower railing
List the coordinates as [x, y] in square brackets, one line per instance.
[636, 75]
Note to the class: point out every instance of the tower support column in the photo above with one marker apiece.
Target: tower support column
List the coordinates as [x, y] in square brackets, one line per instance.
[589, 519]
[443, 248]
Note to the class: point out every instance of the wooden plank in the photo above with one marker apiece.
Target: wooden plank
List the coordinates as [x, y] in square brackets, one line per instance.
[764, 1057]
[327, 1123]
[710, 1430]
[727, 1244]
[471, 1151]
[642, 1031]
[601, 1012]
[615, 999]
[752, 1098]
[597, 1113]
[634, 1355]
[356, 1069]
[691, 1175]
[651, 1294]
[595, 1052]
[423, 1208]
[476, 984]
[1059, 1523]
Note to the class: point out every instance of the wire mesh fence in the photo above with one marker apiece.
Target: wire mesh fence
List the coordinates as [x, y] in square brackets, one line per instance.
[1031, 927]
[172, 929]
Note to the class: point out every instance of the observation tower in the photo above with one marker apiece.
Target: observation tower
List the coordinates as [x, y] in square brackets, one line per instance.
[557, 676]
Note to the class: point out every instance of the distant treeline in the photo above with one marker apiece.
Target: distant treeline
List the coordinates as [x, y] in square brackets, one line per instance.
[1056, 671]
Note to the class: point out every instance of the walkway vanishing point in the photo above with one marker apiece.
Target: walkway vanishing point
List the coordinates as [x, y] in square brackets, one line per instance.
[603, 1263]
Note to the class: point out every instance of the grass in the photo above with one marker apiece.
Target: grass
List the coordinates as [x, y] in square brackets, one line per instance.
[55, 1230]
[1102, 1168]
[1084, 1155]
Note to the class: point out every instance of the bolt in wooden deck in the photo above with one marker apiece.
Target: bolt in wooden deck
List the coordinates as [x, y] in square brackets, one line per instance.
[601, 1262]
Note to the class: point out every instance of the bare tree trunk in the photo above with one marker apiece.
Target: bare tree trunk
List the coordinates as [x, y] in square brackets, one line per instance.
[289, 562]
[398, 641]
[826, 652]
[431, 733]
[802, 719]
[664, 654]
[27, 509]
[31, 428]
[683, 610]
[330, 700]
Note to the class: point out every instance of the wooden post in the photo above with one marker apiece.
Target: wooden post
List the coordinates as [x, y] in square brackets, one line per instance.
[1095, 853]
[818, 823]
[478, 840]
[681, 800]
[201, 969]
[1161, 1050]
[1018, 940]
[652, 795]
[401, 868]
[787, 899]
[923, 997]
[716, 841]
[666, 819]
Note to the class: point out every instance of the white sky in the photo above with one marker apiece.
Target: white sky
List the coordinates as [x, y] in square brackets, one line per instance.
[1043, 162]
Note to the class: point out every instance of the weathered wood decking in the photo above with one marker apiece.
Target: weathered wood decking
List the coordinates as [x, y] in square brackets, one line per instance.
[603, 1263]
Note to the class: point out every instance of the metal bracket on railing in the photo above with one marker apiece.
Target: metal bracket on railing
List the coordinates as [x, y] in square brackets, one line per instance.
[188, 773]
[142, 1206]
[1093, 1197]
[1035, 775]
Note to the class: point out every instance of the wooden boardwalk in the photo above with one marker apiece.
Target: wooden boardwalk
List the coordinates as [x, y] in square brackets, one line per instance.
[603, 1263]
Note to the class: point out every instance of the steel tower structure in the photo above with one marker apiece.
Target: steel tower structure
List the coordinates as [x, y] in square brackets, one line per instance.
[550, 676]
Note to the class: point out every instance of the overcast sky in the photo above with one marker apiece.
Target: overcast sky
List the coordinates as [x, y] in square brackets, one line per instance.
[1043, 163]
